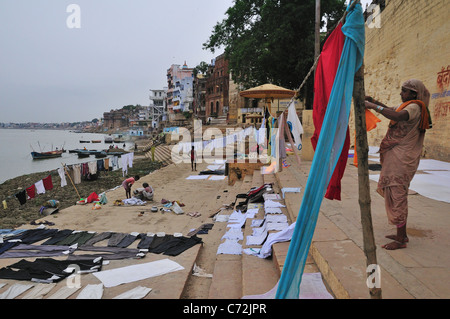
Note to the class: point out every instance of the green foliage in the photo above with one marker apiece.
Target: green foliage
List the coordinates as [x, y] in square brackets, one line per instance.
[202, 68]
[271, 41]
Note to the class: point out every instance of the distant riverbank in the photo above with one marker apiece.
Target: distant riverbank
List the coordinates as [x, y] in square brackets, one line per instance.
[16, 214]
[17, 145]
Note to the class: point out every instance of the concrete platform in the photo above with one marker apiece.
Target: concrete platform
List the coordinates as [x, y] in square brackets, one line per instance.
[421, 271]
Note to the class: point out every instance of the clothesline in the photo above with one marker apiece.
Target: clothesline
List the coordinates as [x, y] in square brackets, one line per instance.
[78, 170]
[316, 61]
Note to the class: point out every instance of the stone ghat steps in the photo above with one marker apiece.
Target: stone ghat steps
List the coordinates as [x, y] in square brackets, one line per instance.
[236, 276]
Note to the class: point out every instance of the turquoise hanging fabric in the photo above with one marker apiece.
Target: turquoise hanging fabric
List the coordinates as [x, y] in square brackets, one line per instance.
[328, 150]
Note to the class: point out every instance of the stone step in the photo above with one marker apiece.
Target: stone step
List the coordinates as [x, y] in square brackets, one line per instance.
[226, 282]
[254, 269]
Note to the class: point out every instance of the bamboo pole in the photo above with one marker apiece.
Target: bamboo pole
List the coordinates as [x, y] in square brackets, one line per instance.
[362, 150]
[67, 173]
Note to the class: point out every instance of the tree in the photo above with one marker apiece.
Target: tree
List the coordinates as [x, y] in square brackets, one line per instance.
[202, 68]
[271, 41]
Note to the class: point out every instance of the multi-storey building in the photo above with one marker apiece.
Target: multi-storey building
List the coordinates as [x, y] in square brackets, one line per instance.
[217, 88]
[116, 119]
[180, 81]
[200, 97]
[158, 107]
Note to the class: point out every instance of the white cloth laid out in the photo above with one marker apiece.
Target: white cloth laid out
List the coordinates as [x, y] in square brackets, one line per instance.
[276, 218]
[122, 275]
[64, 292]
[311, 287]
[62, 175]
[435, 186]
[237, 219]
[251, 212]
[277, 226]
[257, 222]
[15, 290]
[198, 177]
[270, 204]
[217, 177]
[215, 167]
[271, 197]
[290, 190]
[39, 291]
[273, 210]
[266, 249]
[230, 247]
[133, 201]
[221, 218]
[257, 231]
[256, 240]
[91, 292]
[234, 233]
[135, 293]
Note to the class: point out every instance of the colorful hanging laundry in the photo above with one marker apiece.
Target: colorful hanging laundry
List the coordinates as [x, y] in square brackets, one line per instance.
[371, 123]
[31, 191]
[21, 196]
[325, 76]
[48, 184]
[40, 189]
[329, 147]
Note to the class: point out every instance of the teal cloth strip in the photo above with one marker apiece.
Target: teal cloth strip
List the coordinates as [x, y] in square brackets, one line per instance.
[329, 147]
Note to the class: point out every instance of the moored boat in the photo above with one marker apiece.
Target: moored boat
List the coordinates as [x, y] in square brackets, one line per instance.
[109, 139]
[96, 141]
[44, 155]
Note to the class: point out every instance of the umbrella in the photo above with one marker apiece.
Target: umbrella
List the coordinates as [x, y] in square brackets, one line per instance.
[268, 92]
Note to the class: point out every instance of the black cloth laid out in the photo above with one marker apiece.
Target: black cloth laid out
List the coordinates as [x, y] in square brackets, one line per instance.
[48, 270]
[76, 237]
[30, 236]
[106, 253]
[59, 236]
[176, 245]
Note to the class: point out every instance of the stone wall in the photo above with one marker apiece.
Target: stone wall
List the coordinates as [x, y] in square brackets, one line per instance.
[411, 40]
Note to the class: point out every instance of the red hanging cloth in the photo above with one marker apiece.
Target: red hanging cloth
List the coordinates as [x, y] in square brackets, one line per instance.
[323, 83]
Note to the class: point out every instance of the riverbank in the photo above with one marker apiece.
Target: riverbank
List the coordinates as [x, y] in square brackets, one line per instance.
[17, 215]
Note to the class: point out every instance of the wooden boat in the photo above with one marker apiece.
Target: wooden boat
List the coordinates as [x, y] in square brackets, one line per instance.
[101, 154]
[83, 154]
[82, 141]
[109, 139]
[44, 155]
[96, 141]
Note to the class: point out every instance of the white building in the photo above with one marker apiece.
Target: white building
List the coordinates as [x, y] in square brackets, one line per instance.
[158, 107]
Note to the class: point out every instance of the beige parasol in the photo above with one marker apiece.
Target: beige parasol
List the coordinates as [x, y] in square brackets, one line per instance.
[268, 92]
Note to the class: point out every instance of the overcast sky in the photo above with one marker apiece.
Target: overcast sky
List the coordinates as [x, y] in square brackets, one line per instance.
[50, 72]
[65, 64]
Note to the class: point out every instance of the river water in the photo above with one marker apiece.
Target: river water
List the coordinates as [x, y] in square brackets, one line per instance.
[16, 147]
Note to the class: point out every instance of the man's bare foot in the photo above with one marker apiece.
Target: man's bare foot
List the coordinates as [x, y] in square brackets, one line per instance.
[397, 238]
[394, 245]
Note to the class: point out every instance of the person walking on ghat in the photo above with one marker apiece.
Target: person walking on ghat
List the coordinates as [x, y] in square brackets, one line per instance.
[400, 153]
[128, 183]
[193, 159]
